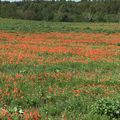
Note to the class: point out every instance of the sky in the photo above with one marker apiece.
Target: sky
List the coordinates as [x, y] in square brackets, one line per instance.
[21, 0]
[11, 0]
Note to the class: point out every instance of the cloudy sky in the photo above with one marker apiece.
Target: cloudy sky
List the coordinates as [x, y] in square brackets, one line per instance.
[11, 0]
[21, 0]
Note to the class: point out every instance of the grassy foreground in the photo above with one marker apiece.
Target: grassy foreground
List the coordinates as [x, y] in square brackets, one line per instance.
[41, 26]
[59, 76]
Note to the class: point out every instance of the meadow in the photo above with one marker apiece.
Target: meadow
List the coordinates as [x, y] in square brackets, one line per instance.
[59, 71]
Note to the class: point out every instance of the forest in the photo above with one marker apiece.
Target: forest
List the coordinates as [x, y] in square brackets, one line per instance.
[62, 11]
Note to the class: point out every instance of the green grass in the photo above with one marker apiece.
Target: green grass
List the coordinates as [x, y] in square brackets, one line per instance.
[14, 25]
[49, 88]
[75, 107]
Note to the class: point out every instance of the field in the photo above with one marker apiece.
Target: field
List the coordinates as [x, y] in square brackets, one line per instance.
[59, 71]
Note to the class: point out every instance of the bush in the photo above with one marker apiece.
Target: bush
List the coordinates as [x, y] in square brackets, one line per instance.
[108, 107]
[64, 17]
[118, 44]
[29, 14]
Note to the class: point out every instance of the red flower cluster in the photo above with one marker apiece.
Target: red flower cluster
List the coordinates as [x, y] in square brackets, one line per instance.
[83, 47]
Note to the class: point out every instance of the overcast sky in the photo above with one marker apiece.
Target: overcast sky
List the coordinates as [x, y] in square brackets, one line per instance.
[11, 0]
[21, 0]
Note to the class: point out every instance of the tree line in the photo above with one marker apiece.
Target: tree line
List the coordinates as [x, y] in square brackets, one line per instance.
[61, 10]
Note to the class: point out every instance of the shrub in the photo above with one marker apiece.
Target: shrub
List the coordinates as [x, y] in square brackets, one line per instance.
[108, 107]
[118, 44]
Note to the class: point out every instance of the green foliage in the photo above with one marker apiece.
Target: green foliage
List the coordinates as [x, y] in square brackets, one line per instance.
[14, 25]
[35, 83]
[118, 44]
[91, 116]
[109, 107]
[15, 109]
[66, 11]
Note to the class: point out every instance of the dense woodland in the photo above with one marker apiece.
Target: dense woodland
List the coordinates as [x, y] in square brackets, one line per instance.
[65, 11]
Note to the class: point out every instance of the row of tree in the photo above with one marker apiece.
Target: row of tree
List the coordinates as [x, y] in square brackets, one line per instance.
[68, 11]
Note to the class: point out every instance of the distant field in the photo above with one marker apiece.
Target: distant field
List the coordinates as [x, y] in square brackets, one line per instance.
[38, 26]
[59, 71]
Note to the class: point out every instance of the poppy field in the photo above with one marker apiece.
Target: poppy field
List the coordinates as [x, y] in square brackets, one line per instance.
[59, 75]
